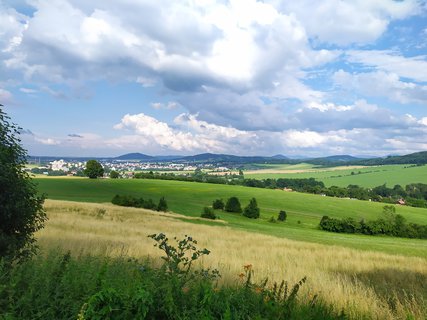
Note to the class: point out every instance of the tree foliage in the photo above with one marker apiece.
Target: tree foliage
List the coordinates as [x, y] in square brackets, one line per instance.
[21, 208]
[114, 174]
[94, 169]
[251, 210]
[163, 205]
[282, 215]
[218, 204]
[233, 205]
[390, 224]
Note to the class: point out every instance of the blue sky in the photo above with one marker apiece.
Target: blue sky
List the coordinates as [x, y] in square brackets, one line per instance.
[103, 78]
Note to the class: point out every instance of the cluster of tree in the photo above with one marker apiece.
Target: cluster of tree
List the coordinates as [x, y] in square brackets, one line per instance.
[130, 201]
[302, 185]
[50, 172]
[414, 194]
[390, 224]
[183, 177]
[232, 205]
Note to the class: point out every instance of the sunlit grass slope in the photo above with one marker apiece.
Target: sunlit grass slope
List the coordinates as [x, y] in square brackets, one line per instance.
[304, 210]
[364, 177]
[367, 285]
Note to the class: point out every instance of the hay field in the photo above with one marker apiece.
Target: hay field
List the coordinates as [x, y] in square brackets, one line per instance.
[367, 285]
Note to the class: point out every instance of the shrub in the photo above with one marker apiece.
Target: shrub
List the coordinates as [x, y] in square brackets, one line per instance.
[208, 213]
[252, 210]
[282, 216]
[272, 220]
[218, 204]
[233, 205]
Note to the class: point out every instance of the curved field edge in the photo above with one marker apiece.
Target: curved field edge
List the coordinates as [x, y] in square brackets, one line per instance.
[367, 285]
[304, 210]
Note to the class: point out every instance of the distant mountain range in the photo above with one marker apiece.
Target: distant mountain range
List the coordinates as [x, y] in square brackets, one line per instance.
[413, 158]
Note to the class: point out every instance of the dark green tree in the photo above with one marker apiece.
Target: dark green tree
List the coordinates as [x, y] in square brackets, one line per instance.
[218, 204]
[94, 169]
[21, 208]
[251, 210]
[233, 205]
[282, 215]
[163, 205]
[114, 174]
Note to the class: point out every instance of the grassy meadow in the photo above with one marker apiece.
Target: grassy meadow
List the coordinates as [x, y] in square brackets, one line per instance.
[365, 284]
[342, 176]
[304, 210]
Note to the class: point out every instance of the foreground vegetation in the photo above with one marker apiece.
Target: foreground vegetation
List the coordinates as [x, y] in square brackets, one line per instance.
[366, 285]
[304, 211]
[60, 286]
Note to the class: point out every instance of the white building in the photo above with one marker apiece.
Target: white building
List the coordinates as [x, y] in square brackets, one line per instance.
[58, 165]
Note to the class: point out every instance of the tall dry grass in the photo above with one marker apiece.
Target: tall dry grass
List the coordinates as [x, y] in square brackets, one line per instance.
[367, 285]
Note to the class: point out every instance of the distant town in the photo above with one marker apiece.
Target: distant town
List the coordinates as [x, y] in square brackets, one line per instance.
[125, 168]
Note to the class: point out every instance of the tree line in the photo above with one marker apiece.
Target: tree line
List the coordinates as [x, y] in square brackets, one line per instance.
[414, 194]
[390, 224]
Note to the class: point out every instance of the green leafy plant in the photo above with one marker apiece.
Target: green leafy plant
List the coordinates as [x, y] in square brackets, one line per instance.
[179, 260]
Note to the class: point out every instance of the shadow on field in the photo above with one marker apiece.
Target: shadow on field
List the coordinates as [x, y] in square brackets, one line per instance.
[391, 284]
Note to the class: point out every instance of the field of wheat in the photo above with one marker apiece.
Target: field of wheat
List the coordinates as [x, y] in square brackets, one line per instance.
[366, 285]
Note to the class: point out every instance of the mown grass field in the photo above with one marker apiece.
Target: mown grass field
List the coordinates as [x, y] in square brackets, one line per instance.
[366, 285]
[304, 210]
[342, 176]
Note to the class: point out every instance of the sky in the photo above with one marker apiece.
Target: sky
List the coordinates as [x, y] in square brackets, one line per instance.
[245, 77]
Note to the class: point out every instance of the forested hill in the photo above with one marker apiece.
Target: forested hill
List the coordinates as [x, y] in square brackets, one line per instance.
[413, 158]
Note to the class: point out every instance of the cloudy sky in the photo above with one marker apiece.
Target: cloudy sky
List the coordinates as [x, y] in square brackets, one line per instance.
[246, 77]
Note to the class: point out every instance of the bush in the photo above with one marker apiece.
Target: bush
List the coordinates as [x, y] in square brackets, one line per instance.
[252, 210]
[282, 216]
[208, 213]
[233, 205]
[218, 204]
[272, 220]
[21, 208]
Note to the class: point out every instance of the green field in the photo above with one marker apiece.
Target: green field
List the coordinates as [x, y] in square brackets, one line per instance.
[304, 210]
[364, 177]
